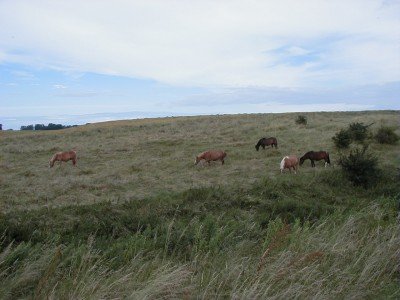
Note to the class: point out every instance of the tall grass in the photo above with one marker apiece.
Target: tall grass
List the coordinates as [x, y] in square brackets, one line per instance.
[352, 255]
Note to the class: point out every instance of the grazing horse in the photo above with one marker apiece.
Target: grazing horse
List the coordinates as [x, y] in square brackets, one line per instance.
[289, 162]
[267, 142]
[63, 156]
[211, 155]
[316, 155]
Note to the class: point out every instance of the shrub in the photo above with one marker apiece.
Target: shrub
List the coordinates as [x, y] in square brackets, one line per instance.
[358, 131]
[360, 167]
[342, 139]
[301, 120]
[386, 135]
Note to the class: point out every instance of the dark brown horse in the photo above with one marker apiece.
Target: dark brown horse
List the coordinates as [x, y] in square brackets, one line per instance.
[316, 155]
[290, 162]
[63, 156]
[211, 155]
[267, 142]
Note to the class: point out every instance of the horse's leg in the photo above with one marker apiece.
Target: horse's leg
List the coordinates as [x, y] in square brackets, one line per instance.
[222, 162]
[312, 163]
[263, 146]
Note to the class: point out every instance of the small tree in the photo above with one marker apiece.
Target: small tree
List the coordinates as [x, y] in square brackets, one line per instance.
[27, 127]
[301, 120]
[342, 139]
[360, 167]
[386, 135]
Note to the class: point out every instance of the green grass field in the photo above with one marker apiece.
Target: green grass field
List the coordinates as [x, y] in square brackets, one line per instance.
[136, 219]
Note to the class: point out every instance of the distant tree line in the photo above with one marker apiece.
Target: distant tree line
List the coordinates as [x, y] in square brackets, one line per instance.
[51, 126]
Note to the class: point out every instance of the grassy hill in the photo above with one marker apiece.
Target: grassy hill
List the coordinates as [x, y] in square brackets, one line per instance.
[137, 219]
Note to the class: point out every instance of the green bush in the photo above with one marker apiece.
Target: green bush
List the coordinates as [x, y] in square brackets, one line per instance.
[360, 167]
[301, 120]
[358, 131]
[386, 135]
[342, 139]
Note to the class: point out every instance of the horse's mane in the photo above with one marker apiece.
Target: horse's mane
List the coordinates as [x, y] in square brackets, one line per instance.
[282, 165]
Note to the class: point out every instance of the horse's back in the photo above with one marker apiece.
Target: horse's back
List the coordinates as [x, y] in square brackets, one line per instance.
[67, 155]
[322, 154]
[292, 160]
[72, 153]
[213, 154]
[270, 140]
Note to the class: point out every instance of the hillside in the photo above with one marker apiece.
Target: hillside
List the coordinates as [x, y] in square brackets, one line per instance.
[125, 160]
[137, 219]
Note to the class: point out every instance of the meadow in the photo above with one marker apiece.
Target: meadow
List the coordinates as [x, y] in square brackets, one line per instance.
[136, 219]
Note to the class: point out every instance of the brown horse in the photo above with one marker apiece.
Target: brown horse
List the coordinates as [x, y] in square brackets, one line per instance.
[63, 156]
[289, 162]
[267, 142]
[211, 155]
[316, 155]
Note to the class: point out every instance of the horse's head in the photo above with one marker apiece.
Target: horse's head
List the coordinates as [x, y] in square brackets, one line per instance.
[52, 160]
[257, 146]
[302, 159]
[196, 160]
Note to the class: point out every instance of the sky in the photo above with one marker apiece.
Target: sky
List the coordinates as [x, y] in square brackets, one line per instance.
[74, 62]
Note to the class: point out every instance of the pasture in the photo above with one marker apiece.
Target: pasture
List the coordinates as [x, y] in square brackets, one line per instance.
[136, 219]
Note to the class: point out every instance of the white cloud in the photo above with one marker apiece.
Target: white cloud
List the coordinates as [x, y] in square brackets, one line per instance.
[59, 86]
[208, 43]
[23, 75]
[295, 51]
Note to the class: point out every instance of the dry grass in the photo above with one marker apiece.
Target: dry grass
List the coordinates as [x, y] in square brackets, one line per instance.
[125, 160]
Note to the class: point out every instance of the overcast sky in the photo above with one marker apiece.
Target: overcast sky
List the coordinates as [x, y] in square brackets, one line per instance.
[59, 59]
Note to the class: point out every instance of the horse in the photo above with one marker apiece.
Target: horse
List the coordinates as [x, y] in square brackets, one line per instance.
[289, 162]
[211, 155]
[63, 156]
[267, 142]
[316, 155]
